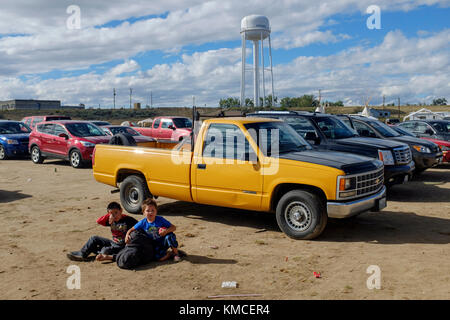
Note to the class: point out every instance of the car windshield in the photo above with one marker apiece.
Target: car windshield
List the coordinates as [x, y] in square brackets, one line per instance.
[334, 128]
[384, 129]
[270, 135]
[116, 130]
[182, 122]
[13, 128]
[83, 129]
[443, 127]
[403, 131]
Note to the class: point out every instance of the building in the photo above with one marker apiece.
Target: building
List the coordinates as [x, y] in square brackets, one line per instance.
[29, 104]
[424, 114]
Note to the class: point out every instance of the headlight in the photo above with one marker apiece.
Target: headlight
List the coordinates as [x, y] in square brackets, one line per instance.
[347, 187]
[87, 144]
[386, 157]
[422, 149]
[444, 148]
[12, 141]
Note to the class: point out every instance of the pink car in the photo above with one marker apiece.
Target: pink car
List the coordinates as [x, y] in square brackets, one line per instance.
[64, 139]
[168, 128]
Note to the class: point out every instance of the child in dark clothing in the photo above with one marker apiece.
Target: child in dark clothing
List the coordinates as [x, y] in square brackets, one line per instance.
[119, 224]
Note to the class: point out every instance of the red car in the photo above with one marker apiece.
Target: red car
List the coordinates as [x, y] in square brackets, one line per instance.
[168, 128]
[32, 121]
[65, 139]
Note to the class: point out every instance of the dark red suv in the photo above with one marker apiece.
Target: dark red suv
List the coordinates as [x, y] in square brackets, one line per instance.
[64, 139]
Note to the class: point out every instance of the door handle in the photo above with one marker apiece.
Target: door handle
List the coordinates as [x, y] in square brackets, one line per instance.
[201, 166]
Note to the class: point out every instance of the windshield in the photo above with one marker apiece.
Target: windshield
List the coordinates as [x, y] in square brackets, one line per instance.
[443, 127]
[14, 128]
[84, 130]
[116, 130]
[182, 123]
[334, 128]
[384, 129]
[403, 131]
[271, 136]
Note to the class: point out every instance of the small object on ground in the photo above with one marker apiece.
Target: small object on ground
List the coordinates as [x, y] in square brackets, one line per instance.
[176, 258]
[190, 235]
[317, 274]
[236, 295]
[195, 288]
[214, 247]
[55, 170]
[29, 180]
[229, 284]
[286, 259]
[261, 230]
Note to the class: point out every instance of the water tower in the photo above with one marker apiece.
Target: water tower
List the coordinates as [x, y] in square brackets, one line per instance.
[256, 28]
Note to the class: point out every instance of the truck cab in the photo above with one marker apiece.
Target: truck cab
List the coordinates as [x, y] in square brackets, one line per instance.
[328, 133]
[167, 128]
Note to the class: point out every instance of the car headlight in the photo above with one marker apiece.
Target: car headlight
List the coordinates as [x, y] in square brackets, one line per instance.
[386, 157]
[87, 144]
[422, 149]
[346, 187]
[12, 141]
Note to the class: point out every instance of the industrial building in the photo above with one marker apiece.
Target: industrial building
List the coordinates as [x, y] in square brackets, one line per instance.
[30, 104]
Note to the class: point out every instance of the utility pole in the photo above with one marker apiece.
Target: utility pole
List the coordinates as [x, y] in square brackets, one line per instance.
[384, 99]
[114, 97]
[151, 99]
[131, 92]
[399, 108]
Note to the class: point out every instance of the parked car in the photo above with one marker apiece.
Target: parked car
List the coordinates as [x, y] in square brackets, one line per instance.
[302, 186]
[435, 129]
[328, 132]
[139, 138]
[32, 121]
[14, 137]
[65, 139]
[129, 124]
[443, 145]
[392, 120]
[426, 154]
[100, 123]
[168, 128]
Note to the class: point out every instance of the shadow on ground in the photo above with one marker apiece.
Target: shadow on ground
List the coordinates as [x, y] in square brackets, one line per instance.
[10, 196]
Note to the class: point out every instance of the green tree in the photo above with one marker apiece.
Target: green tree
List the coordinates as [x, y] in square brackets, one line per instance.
[229, 102]
[439, 102]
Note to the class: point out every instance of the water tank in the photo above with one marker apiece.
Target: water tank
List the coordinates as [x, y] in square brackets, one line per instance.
[253, 25]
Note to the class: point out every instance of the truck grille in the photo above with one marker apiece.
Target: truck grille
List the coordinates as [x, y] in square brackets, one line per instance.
[402, 155]
[370, 182]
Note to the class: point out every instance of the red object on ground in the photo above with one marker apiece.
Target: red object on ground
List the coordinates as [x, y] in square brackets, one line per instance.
[317, 274]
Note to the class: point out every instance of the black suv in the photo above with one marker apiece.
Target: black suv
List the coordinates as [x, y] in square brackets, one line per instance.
[328, 132]
[435, 129]
[426, 154]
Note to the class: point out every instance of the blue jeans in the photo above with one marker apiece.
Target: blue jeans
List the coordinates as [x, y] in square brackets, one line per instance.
[163, 244]
[97, 245]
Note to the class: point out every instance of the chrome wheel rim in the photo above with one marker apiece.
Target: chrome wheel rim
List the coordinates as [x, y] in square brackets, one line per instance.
[132, 195]
[35, 154]
[2, 153]
[75, 159]
[298, 216]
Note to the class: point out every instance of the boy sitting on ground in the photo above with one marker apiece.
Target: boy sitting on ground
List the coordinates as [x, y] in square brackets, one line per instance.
[158, 229]
[119, 223]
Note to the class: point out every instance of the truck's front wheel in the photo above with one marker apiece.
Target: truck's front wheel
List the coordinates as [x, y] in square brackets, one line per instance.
[301, 215]
[133, 191]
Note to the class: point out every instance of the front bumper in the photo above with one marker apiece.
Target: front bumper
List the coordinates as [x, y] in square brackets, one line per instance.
[374, 202]
[427, 160]
[13, 150]
[398, 174]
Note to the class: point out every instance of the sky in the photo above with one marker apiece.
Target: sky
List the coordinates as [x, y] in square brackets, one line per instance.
[169, 51]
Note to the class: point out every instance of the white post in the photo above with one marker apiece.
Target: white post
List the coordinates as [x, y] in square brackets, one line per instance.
[271, 72]
[263, 66]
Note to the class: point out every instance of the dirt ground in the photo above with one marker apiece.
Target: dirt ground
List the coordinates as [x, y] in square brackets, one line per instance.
[50, 209]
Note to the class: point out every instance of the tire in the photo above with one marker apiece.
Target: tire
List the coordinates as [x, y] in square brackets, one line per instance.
[36, 155]
[133, 191]
[3, 155]
[301, 215]
[123, 139]
[75, 159]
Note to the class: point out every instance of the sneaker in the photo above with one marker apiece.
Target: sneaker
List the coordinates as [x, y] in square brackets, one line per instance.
[77, 256]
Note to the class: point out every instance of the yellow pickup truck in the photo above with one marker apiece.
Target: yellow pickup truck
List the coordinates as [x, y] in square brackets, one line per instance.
[248, 163]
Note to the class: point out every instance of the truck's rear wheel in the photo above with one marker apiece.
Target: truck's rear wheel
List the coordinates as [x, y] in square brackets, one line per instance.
[301, 215]
[133, 191]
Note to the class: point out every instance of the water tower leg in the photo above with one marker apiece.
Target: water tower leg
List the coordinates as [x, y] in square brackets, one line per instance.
[256, 72]
[244, 55]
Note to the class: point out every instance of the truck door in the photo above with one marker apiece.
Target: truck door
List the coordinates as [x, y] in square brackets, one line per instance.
[165, 132]
[227, 170]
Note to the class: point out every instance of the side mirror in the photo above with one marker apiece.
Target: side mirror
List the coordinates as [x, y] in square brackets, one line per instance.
[429, 132]
[63, 135]
[172, 127]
